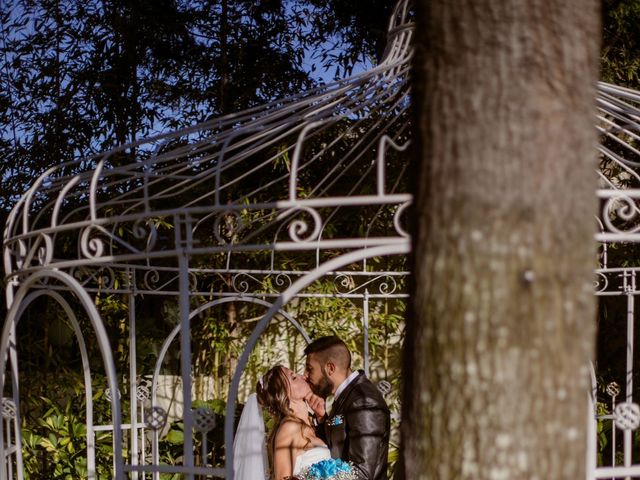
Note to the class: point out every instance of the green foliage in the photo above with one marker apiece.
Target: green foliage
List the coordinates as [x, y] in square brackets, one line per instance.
[343, 33]
[82, 77]
[54, 445]
[621, 42]
[603, 431]
[171, 445]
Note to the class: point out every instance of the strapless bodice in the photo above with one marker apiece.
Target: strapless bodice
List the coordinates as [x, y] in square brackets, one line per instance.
[311, 456]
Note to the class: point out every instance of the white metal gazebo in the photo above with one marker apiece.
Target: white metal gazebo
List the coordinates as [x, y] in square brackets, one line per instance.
[617, 423]
[206, 215]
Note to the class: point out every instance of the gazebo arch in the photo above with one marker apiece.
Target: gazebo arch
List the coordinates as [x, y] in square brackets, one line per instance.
[25, 295]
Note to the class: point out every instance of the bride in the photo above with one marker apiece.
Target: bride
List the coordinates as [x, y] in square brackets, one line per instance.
[292, 443]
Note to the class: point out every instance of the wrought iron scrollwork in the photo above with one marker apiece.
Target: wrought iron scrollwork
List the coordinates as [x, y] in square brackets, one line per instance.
[150, 279]
[103, 277]
[91, 245]
[282, 281]
[383, 284]
[146, 230]
[601, 282]
[300, 229]
[397, 220]
[623, 207]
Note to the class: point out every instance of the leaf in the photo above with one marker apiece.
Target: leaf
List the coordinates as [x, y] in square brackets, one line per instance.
[50, 445]
[175, 437]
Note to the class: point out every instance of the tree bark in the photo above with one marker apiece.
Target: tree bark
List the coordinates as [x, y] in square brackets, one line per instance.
[502, 317]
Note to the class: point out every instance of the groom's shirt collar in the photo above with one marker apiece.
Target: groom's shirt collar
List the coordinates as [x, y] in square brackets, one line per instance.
[345, 384]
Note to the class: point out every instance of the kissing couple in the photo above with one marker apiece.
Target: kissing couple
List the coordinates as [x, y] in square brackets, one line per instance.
[329, 412]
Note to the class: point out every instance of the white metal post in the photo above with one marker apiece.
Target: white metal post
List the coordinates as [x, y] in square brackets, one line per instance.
[628, 434]
[365, 328]
[183, 227]
[133, 387]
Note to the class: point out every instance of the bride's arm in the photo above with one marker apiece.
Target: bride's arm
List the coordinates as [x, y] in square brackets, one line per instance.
[283, 452]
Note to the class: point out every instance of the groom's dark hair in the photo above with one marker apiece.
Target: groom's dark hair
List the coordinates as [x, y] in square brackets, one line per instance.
[330, 347]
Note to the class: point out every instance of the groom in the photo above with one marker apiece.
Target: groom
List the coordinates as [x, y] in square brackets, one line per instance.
[352, 416]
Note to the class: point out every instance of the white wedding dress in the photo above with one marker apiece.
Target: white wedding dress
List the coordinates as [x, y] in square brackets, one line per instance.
[311, 456]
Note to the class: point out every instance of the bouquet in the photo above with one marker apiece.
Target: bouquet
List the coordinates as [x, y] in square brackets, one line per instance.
[331, 469]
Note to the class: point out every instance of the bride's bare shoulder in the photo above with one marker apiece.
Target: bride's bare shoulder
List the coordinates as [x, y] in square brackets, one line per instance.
[288, 431]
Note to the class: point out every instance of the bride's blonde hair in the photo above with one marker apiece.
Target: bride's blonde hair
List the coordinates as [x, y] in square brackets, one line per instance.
[272, 392]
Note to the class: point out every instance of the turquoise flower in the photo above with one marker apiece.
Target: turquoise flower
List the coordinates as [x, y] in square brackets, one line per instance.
[331, 469]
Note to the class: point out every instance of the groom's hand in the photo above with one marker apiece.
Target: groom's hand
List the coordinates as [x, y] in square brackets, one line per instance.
[316, 404]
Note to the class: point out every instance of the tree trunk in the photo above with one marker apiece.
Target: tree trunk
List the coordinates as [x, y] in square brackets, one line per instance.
[501, 322]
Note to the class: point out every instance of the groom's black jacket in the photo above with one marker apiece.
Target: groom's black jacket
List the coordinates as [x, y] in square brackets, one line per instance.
[357, 429]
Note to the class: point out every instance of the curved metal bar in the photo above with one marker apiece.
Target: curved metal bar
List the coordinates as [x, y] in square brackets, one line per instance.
[86, 368]
[174, 333]
[13, 358]
[29, 195]
[295, 161]
[103, 343]
[338, 100]
[60, 199]
[287, 295]
[223, 153]
[171, 337]
[381, 168]
[92, 190]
